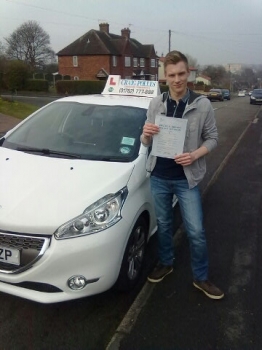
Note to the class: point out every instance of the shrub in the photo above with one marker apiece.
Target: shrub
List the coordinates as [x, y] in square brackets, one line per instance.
[163, 88]
[16, 75]
[79, 87]
[37, 85]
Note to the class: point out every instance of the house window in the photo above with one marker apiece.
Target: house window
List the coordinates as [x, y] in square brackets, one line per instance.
[76, 78]
[142, 62]
[127, 61]
[75, 61]
[153, 62]
[134, 62]
[114, 61]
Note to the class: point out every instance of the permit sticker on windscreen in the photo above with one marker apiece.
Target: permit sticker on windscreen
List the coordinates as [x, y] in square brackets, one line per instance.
[125, 150]
[129, 141]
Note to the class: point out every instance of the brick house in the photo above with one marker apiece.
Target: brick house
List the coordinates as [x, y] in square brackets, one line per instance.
[98, 53]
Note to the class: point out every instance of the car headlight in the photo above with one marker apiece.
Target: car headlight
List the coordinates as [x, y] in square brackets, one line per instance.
[97, 217]
[252, 97]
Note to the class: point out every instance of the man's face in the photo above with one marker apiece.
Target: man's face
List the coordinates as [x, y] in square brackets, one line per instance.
[176, 77]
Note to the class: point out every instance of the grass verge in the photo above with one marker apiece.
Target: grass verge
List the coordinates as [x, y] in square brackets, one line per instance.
[16, 109]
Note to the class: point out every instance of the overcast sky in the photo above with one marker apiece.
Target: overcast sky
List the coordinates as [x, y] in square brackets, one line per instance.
[211, 31]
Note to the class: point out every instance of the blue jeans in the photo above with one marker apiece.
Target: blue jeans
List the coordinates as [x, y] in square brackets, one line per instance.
[191, 210]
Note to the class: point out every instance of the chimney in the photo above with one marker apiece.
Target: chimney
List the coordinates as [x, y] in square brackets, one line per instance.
[126, 33]
[104, 27]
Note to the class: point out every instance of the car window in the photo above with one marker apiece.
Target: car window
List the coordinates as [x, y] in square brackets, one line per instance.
[90, 131]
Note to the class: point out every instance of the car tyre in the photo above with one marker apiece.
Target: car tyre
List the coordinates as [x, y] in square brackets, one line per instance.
[132, 263]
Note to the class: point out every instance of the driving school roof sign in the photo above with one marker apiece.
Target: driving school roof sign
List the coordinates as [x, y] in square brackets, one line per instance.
[117, 86]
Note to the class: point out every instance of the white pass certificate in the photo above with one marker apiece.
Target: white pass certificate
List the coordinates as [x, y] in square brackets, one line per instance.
[169, 142]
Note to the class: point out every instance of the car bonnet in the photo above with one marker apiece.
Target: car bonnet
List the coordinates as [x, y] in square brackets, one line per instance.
[38, 194]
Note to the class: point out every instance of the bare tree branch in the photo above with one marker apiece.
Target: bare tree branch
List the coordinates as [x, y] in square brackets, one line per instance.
[31, 44]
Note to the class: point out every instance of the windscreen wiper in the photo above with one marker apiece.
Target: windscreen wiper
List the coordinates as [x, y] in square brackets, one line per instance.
[115, 159]
[46, 151]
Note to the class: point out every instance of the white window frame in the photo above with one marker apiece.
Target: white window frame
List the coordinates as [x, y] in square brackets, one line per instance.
[135, 62]
[127, 61]
[142, 62]
[75, 61]
[152, 63]
[76, 77]
[114, 61]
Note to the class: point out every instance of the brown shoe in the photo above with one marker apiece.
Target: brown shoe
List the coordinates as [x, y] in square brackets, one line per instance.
[159, 273]
[209, 289]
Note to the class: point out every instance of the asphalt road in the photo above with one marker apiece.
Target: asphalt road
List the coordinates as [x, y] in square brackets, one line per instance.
[177, 315]
[90, 323]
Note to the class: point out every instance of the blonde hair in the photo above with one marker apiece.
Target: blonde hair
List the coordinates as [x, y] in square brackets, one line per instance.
[173, 57]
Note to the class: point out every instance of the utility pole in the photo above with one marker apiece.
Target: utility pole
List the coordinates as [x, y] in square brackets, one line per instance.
[169, 40]
[230, 78]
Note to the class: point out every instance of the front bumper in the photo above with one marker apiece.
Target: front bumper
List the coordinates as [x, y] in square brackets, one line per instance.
[97, 257]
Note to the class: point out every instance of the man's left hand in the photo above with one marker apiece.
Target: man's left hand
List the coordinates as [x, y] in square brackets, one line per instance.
[185, 159]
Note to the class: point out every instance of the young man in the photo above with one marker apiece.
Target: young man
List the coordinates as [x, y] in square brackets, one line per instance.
[181, 175]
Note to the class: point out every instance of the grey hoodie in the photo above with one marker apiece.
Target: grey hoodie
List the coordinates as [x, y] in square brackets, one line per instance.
[201, 131]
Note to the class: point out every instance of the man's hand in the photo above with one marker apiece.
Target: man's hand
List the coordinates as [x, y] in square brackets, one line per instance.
[185, 159]
[150, 129]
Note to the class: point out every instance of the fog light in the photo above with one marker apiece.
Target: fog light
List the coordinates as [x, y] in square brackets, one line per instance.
[77, 282]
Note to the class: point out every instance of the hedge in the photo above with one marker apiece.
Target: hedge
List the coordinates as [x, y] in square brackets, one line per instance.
[37, 85]
[79, 87]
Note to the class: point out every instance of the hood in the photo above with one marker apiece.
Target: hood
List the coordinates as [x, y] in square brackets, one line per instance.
[38, 194]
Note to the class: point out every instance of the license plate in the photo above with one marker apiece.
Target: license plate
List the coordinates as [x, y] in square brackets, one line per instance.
[9, 255]
[259, 99]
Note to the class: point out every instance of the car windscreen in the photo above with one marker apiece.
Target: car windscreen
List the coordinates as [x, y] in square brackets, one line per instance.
[88, 131]
[257, 92]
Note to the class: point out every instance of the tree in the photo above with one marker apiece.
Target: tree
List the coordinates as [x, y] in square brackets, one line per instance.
[2, 50]
[3, 63]
[248, 77]
[16, 75]
[192, 62]
[218, 75]
[31, 44]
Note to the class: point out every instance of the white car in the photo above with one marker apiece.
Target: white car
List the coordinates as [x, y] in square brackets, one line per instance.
[76, 209]
[241, 94]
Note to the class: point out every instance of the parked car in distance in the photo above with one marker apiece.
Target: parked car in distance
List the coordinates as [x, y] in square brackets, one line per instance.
[215, 95]
[226, 94]
[241, 93]
[256, 97]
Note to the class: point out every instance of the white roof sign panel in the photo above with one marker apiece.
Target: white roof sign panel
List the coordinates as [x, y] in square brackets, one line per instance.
[117, 86]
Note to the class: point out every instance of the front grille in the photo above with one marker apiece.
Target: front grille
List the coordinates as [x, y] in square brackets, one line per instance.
[23, 242]
[31, 249]
[37, 286]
